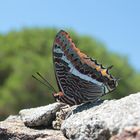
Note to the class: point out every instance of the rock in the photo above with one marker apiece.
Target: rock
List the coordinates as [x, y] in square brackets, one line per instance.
[60, 116]
[129, 133]
[41, 115]
[99, 122]
[13, 128]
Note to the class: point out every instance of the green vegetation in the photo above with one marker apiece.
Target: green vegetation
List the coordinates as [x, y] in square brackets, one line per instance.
[28, 51]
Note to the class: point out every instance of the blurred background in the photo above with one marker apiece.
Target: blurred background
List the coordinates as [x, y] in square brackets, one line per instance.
[108, 31]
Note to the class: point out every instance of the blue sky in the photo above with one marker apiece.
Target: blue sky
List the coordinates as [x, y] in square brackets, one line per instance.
[114, 22]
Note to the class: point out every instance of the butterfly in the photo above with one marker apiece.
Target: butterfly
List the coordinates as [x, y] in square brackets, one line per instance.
[80, 79]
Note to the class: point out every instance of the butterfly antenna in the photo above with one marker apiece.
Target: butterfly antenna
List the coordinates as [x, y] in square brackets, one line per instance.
[49, 85]
[42, 83]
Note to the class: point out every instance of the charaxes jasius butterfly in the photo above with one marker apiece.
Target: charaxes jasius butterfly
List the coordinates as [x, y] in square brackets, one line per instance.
[80, 78]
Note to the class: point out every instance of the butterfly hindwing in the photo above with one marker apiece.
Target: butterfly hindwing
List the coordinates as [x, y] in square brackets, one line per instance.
[79, 77]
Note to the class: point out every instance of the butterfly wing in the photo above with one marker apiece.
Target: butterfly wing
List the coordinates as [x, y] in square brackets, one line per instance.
[79, 77]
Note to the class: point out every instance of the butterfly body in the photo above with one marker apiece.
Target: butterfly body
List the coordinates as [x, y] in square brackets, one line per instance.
[79, 77]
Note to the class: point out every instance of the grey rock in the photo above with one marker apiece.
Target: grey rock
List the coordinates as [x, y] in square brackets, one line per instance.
[13, 128]
[95, 121]
[129, 133]
[40, 116]
[60, 116]
[101, 120]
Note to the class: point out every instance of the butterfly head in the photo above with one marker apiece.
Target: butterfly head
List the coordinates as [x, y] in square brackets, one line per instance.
[58, 95]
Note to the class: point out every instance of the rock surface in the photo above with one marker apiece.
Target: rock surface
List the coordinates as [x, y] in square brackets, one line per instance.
[114, 120]
[103, 121]
[129, 133]
[41, 115]
[13, 128]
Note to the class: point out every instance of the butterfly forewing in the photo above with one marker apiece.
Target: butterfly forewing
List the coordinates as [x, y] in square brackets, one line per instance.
[79, 77]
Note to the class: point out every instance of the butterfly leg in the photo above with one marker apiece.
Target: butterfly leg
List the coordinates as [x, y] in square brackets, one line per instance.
[58, 95]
